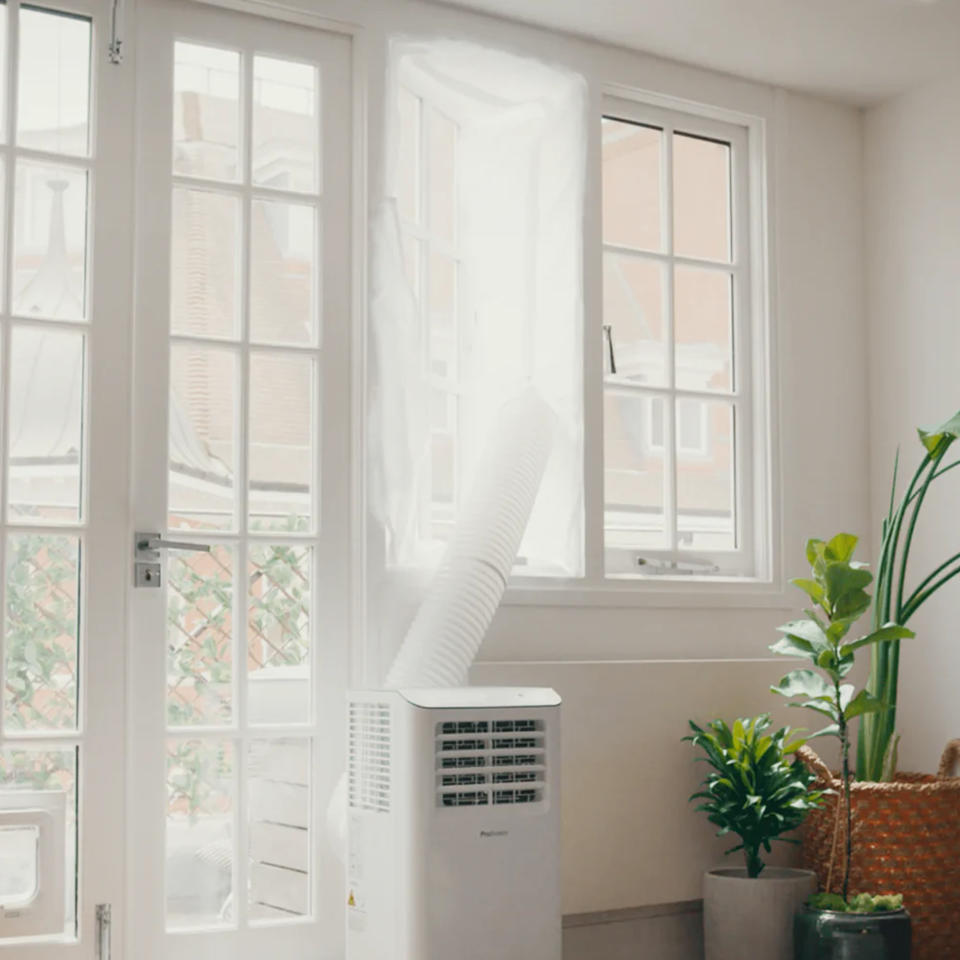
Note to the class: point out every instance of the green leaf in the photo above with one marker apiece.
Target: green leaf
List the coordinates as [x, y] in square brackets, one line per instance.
[815, 550]
[791, 646]
[803, 683]
[891, 631]
[808, 631]
[841, 547]
[932, 438]
[863, 702]
[810, 587]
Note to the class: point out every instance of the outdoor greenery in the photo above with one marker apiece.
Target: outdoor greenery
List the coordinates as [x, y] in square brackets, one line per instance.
[837, 590]
[893, 603]
[755, 790]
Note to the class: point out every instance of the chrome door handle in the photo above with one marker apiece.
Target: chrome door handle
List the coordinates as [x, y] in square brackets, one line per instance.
[153, 541]
[147, 570]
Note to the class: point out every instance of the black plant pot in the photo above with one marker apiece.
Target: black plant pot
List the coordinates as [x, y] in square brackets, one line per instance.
[829, 935]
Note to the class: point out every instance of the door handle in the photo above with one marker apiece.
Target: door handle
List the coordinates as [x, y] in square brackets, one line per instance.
[153, 541]
[147, 571]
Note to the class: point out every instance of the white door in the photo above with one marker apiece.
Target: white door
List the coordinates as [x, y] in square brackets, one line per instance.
[65, 122]
[242, 449]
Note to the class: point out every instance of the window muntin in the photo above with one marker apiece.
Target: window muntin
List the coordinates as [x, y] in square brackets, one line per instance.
[678, 377]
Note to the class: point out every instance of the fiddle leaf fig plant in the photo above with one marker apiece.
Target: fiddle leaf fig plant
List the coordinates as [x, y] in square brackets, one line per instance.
[757, 789]
[837, 588]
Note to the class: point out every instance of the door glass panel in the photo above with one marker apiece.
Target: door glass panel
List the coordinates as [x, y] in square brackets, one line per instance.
[278, 633]
[45, 432]
[706, 518]
[279, 812]
[285, 128]
[199, 835]
[283, 266]
[633, 431]
[281, 442]
[408, 160]
[200, 637]
[53, 99]
[50, 241]
[203, 425]
[205, 263]
[206, 112]
[40, 631]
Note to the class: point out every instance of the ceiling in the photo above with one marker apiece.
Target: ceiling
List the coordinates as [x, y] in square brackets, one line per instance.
[858, 51]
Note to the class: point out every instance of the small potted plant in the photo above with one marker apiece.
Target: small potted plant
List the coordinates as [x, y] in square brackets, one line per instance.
[838, 926]
[757, 790]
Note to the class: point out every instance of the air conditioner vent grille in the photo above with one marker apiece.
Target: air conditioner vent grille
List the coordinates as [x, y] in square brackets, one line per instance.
[471, 756]
[370, 748]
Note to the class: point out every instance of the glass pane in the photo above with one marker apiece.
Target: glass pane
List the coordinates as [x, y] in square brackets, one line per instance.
[281, 442]
[283, 269]
[50, 241]
[200, 831]
[443, 180]
[205, 263]
[280, 849]
[40, 630]
[633, 309]
[45, 425]
[199, 637]
[43, 778]
[633, 471]
[443, 291]
[701, 198]
[703, 329]
[631, 161]
[408, 156]
[53, 83]
[203, 423]
[278, 633]
[285, 129]
[18, 864]
[206, 112]
[705, 475]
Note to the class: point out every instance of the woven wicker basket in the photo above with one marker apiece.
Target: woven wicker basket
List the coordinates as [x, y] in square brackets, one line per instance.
[906, 839]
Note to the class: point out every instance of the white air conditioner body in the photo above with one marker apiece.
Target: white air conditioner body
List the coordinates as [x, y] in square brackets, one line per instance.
[454, 824]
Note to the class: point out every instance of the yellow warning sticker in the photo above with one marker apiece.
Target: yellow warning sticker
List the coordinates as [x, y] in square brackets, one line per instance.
[352, 900]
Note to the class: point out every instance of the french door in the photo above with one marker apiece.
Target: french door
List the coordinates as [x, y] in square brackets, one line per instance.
[66, 266]
[241, 454]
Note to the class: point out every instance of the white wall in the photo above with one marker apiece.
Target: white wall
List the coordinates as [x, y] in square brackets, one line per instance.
[912, 186]
[631, 676]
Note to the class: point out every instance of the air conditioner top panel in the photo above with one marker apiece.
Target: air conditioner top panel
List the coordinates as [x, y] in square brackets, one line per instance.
[452, 698]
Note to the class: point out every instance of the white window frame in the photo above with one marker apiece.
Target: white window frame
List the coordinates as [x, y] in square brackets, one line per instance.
[749, 561]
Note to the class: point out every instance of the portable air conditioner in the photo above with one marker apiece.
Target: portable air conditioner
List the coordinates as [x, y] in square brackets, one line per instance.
[454, 824]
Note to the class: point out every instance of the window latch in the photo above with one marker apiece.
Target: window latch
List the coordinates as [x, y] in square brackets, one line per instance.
[660, 567]
[611, 357]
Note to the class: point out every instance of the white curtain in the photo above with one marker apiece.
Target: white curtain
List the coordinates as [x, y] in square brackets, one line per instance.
[520, 171]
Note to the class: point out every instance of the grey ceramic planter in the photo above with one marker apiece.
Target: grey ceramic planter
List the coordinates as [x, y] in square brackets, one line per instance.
[753, 918]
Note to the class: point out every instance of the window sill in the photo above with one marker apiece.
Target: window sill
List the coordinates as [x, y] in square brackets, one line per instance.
[659, 592]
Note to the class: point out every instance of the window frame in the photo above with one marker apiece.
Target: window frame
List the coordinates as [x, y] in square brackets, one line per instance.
[757, 583]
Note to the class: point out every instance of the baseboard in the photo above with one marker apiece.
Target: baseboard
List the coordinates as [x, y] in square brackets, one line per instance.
[663, 931]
